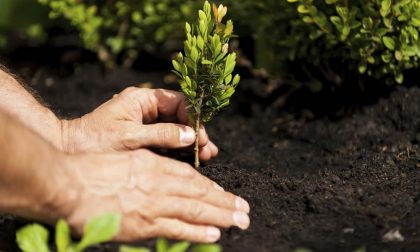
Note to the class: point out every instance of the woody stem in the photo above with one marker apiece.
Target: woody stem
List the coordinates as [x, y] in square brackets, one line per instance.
[197, 130]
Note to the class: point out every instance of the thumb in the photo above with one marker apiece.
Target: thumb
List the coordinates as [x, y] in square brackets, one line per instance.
[166, 135]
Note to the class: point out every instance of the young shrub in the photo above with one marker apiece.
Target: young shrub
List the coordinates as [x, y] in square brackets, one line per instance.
[205, 67]
[122, 28]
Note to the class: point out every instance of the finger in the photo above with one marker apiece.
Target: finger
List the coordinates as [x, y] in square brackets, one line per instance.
[205, 153]
[179, 230]
[203, 137]
[164, 135]
[170, 104]
[158, 183]
[198, 212]
[213, 148]
[149, 160]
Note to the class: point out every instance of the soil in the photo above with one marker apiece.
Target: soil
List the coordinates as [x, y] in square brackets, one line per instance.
[328, 182]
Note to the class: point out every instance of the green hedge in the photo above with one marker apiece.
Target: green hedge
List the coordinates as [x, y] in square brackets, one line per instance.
[120, 29]
[334, 38]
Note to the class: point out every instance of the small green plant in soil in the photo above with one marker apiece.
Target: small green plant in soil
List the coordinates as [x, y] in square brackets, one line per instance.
[102, 228]
[162, 245]
[205, 67]
[99, 229]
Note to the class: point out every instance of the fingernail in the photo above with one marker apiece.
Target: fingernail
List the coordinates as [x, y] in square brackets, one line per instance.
[218, 188]
[241, 220]
[187, 135]
[242, 205]
[213, 234]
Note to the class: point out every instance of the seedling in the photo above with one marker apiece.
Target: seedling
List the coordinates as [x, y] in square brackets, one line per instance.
[102, 228]
[205, 68]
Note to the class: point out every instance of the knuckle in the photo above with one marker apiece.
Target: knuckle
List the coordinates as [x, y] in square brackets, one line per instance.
[129, 141]
[176, 232]
[166, 134]
[201, 190]
[196, 210]
[129, 90]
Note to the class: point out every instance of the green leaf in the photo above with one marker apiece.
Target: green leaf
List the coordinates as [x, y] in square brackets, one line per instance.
[228, 79]
[236, 80]
[32, 238]
[62, 236]
[176, 65]
[331, 1]
[207, 248]
[125, 248]
[161, 245]
[187, 27]
[228, 29]
[179, 247]
[399, 78]
[200, 43]
[194, 55]
[337, 22]
[389, 43]
[302, 250]
[99, 229]
[385, 7]
[343, 12]
[206, 62]
[302, 9]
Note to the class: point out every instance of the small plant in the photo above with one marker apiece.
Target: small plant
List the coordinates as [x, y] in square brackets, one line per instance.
[205, 68]
[34, 237]
[162, 245]
[102, 228]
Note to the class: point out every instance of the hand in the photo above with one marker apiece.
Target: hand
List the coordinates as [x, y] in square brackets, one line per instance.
[134, 119]
[155, 195]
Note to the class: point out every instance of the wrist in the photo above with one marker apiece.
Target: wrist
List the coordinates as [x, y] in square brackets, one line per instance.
[71, 135]
[64, 193]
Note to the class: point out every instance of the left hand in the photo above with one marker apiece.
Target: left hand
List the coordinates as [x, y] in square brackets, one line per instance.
[136, 118]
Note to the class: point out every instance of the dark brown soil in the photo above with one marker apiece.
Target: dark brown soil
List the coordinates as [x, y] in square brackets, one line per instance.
[328, 184]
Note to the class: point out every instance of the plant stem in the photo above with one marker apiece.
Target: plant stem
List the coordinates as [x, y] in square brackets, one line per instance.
[197, 140]
[197, 130]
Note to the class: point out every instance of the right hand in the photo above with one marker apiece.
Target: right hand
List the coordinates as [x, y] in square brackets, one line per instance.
[155, 195]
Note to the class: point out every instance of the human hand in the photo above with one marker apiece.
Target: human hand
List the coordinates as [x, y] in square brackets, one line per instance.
[155, 195]
[134, 119]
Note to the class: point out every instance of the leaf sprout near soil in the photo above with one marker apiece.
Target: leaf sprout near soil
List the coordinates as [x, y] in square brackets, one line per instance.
[100, 229]
[205, 68]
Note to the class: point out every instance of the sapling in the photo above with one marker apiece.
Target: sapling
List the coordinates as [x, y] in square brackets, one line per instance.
[205, 67]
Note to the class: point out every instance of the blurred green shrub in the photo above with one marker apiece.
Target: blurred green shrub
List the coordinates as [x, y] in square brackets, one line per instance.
[24, 19]
[378, 38]
[117, 30]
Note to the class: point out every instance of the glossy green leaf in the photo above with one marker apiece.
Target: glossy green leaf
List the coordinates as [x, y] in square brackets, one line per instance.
[389, 43]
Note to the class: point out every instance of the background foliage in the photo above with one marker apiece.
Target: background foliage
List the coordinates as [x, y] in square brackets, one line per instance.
[309, 41]
[123, 28]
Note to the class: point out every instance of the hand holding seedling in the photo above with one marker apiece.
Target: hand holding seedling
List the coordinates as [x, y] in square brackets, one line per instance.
[205, 68]
[136, 118]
